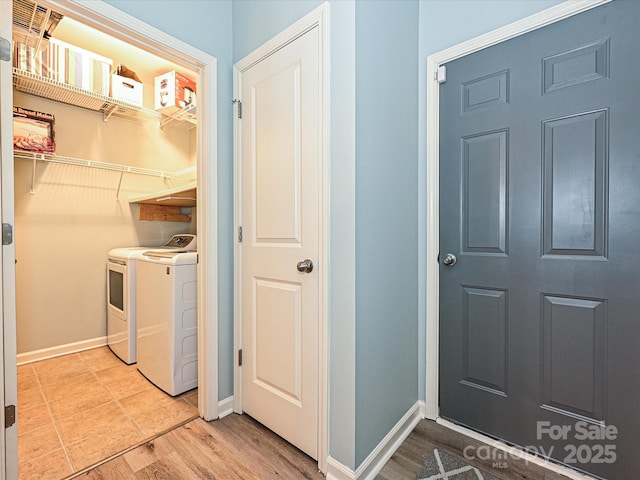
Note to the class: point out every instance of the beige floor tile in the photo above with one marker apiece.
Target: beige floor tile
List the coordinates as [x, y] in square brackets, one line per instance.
[71, 387]
[191, 397]
[144, 401]
[91, 423]
[100, 358]
[49, 467]
[55, 370]
[164, 417]
[126, 386]
[26, 380]
[25, 383]
[26, 370]
[98, 447]
[31, 397]
[93, 396]
[94, 404]
[37, 443]
[116, 372]
[32, 418]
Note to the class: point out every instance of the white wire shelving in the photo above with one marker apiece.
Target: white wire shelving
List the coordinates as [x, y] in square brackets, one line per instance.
[186, 115]
[33, 84]
[81, 162]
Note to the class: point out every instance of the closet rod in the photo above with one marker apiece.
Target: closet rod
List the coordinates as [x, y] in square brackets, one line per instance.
[81, 162]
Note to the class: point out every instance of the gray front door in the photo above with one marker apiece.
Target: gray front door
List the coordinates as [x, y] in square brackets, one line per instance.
[540, 203]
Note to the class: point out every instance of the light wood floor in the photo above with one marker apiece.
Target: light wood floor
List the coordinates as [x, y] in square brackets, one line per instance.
[239, 448]
[233, 448]
[76, 410]
[427, 435]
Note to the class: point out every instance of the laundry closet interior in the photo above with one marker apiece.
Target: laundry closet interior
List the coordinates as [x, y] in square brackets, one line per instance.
[122, 175]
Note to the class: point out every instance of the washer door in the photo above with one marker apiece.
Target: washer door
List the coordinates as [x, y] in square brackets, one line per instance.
[117, 289]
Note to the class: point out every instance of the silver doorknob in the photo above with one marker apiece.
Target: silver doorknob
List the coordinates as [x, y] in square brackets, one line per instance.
[449, 259]
[305, 266]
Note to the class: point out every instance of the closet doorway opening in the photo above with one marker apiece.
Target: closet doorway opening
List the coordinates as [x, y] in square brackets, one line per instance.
[201, 145]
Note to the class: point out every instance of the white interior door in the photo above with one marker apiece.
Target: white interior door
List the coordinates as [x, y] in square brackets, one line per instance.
[8, 374]
[280, 172]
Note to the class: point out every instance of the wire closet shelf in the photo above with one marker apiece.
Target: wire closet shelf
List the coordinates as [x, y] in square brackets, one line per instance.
[28, 82]
[81, 162]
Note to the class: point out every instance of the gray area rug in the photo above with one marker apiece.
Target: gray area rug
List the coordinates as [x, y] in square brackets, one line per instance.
[442, 466]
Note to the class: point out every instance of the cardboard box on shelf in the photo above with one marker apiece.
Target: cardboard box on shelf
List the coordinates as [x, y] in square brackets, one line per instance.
[126, 90]
[33, 131]
[173, 92]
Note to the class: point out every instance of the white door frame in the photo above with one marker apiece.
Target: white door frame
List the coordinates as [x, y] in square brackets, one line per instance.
[116, 23]
[317, 18]
[8, 370]
[533, 22]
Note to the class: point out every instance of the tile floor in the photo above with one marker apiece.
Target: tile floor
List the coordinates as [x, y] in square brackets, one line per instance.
[78, 409]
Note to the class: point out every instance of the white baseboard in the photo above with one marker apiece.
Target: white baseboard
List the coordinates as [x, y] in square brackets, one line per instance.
[43, 354]
[337, 471]
[380, 455]
[225, 407]
[423, 408]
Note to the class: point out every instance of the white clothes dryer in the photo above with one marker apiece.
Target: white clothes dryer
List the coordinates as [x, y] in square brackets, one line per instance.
[167, 317]
[121, 293]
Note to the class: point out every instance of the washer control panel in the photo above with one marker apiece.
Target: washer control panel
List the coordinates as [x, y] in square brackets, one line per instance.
[186, 242]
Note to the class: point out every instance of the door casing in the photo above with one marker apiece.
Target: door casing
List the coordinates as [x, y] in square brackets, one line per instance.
[432, 190]
[114, 22]
[316, 18]
[8, 370]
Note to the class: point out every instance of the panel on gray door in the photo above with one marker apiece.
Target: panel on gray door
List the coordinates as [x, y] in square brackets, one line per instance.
[575, 184]
[540, 202]
[485, 334]
[484, 174]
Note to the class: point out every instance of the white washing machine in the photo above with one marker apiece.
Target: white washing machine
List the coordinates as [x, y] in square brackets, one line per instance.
[167, 318]
[121, 293]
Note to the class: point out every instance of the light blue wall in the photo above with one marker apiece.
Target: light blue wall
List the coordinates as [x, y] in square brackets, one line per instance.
[257, 21]
[386, 217]
[342, 307]
[208, 28]
[443, 24]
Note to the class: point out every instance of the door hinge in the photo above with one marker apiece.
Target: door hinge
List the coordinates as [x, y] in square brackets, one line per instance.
[5, 50]
[240, 357]
[441, 74]
[9, 415]
[239, 107]
[240, 234]
[7, 234]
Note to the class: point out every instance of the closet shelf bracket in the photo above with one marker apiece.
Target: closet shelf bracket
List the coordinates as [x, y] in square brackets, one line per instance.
[119, 185]
[32, 190]
[108, 111]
